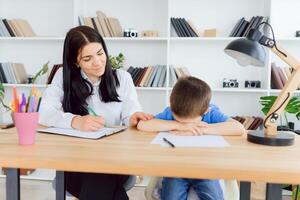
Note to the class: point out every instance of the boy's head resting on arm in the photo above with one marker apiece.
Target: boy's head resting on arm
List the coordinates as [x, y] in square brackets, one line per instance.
[190, 99]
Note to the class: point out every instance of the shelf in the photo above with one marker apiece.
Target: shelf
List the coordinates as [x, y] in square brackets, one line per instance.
[142, 39]
[25, 85]
[237, 90]
[62, 39]
[151, 88]
[244, 90]
[278, 91]
[44, 86]
[224, 39]
[32, 39]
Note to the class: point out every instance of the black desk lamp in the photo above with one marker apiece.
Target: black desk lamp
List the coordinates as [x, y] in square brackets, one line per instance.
[250, 51]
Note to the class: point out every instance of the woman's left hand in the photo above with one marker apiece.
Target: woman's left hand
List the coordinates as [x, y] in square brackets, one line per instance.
[137, 116]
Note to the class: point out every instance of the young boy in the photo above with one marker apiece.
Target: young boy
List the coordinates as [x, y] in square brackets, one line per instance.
[191, 114]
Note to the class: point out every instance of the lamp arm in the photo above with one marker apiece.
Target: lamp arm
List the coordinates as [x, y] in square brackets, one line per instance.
[285, 94]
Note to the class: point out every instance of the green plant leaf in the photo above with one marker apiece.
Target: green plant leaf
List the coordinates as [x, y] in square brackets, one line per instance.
[41, 72]
[298, 115]
[2, 91]
[293, 107]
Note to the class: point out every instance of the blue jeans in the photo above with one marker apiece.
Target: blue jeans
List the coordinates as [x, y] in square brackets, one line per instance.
[178, 188]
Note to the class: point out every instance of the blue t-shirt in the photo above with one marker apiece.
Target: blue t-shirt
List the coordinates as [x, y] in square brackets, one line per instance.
[214, 115]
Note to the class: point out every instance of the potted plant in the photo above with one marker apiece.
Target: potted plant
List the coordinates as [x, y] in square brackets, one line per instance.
[293, 107]
[117, 61]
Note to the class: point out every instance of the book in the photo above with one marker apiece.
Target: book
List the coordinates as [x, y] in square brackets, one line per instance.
[242, 28]
[162, 77]
[88, 22]
[157, 76]
[148, 76]
[176, 28]
[183, 28]
[20, 72]
[103, 132]
[182, 32]
[249, 27]
[11, 33]
[281, 75]
[101, 18]
[153, 74]
[193, 28]
[3, 28]
[188, 28]
[236, 27]
[26, 28]
[276, 82]
[145, 77]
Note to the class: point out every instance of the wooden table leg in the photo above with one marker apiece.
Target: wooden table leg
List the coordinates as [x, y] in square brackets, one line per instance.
[60, 185]
[13, 184]
[245, 190]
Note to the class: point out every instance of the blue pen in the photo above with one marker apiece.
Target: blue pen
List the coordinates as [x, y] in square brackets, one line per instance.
[31, 104]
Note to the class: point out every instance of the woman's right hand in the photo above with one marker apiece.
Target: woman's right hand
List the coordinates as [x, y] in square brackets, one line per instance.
[190, 128]
[88, 123]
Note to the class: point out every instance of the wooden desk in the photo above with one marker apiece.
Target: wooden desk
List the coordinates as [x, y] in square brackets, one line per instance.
[130, 152]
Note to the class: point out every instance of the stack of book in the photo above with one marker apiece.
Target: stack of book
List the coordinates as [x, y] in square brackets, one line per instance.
[176, 73]
[15, 28]
[279, 76]
[14, 73]
[151, 76]
[184, 28]
[250, 123]
[242, 27]
[106, 26]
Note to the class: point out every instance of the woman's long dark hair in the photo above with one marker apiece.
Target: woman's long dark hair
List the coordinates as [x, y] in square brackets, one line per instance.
[76, 88]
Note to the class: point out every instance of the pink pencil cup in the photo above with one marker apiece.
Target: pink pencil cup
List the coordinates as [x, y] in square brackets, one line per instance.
[26, 124]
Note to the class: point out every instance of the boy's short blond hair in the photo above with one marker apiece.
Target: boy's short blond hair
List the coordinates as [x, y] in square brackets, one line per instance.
[190, 97]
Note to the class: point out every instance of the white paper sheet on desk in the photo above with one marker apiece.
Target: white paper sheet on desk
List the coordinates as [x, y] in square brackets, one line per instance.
[191, 141]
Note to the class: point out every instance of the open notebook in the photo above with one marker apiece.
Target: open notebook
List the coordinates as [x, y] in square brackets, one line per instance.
[106, 131]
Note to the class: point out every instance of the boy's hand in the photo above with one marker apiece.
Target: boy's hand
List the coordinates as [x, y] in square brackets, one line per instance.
[191, 129]
[137, 116]
[88, 123]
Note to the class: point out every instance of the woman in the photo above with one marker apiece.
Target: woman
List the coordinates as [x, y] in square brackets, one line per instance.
[88, 81]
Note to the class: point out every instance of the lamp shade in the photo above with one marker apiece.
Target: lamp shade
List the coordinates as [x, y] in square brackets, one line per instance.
[246, 52]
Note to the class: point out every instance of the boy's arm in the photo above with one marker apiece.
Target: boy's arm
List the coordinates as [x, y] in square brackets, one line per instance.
[157, 125]
[171, 125]
[230, 127]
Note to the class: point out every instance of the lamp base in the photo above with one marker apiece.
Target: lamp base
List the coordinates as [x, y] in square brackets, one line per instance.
[282, 138]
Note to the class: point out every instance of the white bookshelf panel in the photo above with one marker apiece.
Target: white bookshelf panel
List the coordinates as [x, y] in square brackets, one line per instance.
[284, 19]
[136, 14]
[208, 61]
[222, 15]
[32, 55]
[240, 104]
[152, 102]
[47, 18]
[139, 54]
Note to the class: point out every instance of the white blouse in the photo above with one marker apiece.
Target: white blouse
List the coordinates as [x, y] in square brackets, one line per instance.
[115, 113]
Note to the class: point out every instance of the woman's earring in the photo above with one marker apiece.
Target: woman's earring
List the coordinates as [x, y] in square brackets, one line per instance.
[77, 65]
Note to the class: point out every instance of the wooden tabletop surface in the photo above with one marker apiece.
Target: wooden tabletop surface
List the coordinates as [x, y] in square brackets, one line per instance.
[130, 152]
